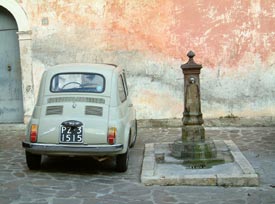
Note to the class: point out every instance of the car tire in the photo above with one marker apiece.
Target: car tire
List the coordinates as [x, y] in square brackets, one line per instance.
[33, 161]
[122, 161]
[135, 135]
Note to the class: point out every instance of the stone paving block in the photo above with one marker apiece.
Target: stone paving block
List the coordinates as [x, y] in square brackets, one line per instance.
[149, 163]
[189, 180]
[249, 180]
[198, 180]
[66, 200]
[149, 146]
[243, 163]
[232, 146]
[149, 180]
[239, 158]
[147, 173]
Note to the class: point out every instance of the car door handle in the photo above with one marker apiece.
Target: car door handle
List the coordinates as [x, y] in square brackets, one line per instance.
[130, 105]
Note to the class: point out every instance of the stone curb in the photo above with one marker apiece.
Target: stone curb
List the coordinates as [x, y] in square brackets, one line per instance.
[268, 121]
[13, 127]
[239, 157]
[248, 177]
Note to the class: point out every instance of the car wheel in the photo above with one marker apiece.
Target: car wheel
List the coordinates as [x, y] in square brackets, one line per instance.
[33, 161]
[122, 161]
[135, 135]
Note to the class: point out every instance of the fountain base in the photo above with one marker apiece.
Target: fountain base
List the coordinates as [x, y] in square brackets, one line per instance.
[198, 154]
[161, 168]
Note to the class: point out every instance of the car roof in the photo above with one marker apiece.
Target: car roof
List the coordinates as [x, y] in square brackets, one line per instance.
[82, 67]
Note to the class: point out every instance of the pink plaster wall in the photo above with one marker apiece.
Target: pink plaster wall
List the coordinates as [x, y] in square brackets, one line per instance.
[221, 32]
[233, 39]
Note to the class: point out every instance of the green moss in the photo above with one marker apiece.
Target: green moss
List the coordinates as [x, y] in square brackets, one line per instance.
[197, 154]
[202, 163]
[229, 116]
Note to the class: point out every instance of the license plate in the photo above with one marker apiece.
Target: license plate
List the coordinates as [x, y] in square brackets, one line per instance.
[71, 134]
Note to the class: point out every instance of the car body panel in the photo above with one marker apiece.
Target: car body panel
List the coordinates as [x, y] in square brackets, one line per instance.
[96, 111]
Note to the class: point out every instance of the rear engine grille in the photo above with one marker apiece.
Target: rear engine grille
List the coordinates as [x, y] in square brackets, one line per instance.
[93, 110]
[76, 99]
[54, 110]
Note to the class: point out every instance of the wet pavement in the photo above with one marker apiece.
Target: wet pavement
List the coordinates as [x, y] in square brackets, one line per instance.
[86, 181]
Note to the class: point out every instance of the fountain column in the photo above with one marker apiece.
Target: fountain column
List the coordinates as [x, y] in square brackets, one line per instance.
[192, 129]
[193, 148]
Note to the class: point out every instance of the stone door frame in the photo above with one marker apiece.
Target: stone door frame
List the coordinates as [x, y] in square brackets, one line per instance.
[24, 37]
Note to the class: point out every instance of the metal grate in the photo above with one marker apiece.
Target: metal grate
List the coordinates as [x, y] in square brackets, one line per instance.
[93, 110]
[54, 110]
[76, 99]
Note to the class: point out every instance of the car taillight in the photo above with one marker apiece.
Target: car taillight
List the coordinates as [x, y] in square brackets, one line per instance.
[111, 138]
[33, 133]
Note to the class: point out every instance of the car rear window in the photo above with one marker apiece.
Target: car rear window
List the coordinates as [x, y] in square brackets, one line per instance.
[78, 82]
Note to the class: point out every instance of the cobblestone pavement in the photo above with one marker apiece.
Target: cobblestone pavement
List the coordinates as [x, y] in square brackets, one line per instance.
[85, 181]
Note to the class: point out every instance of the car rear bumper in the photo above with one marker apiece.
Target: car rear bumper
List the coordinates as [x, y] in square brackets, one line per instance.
[64, 149]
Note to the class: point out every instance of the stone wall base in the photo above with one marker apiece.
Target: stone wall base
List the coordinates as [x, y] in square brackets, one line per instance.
[212, 122]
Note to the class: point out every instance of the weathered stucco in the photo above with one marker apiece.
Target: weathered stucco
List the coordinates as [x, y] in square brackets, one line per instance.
[233, 39]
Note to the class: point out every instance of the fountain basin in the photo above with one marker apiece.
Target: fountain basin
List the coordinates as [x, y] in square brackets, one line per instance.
[161, 168]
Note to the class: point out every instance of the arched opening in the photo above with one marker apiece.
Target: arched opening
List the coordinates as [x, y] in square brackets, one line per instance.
[11, 100]
[22, 37]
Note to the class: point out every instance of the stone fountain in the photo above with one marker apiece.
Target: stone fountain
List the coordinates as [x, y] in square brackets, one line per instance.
[195, 159]
[193, 148]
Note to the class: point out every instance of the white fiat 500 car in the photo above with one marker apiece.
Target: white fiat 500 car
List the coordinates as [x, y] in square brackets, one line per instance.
[82, 110]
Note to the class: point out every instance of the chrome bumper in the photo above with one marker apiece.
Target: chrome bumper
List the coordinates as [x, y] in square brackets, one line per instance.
[64, 149]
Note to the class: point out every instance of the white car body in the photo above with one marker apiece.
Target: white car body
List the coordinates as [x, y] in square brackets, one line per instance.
[82, 110]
